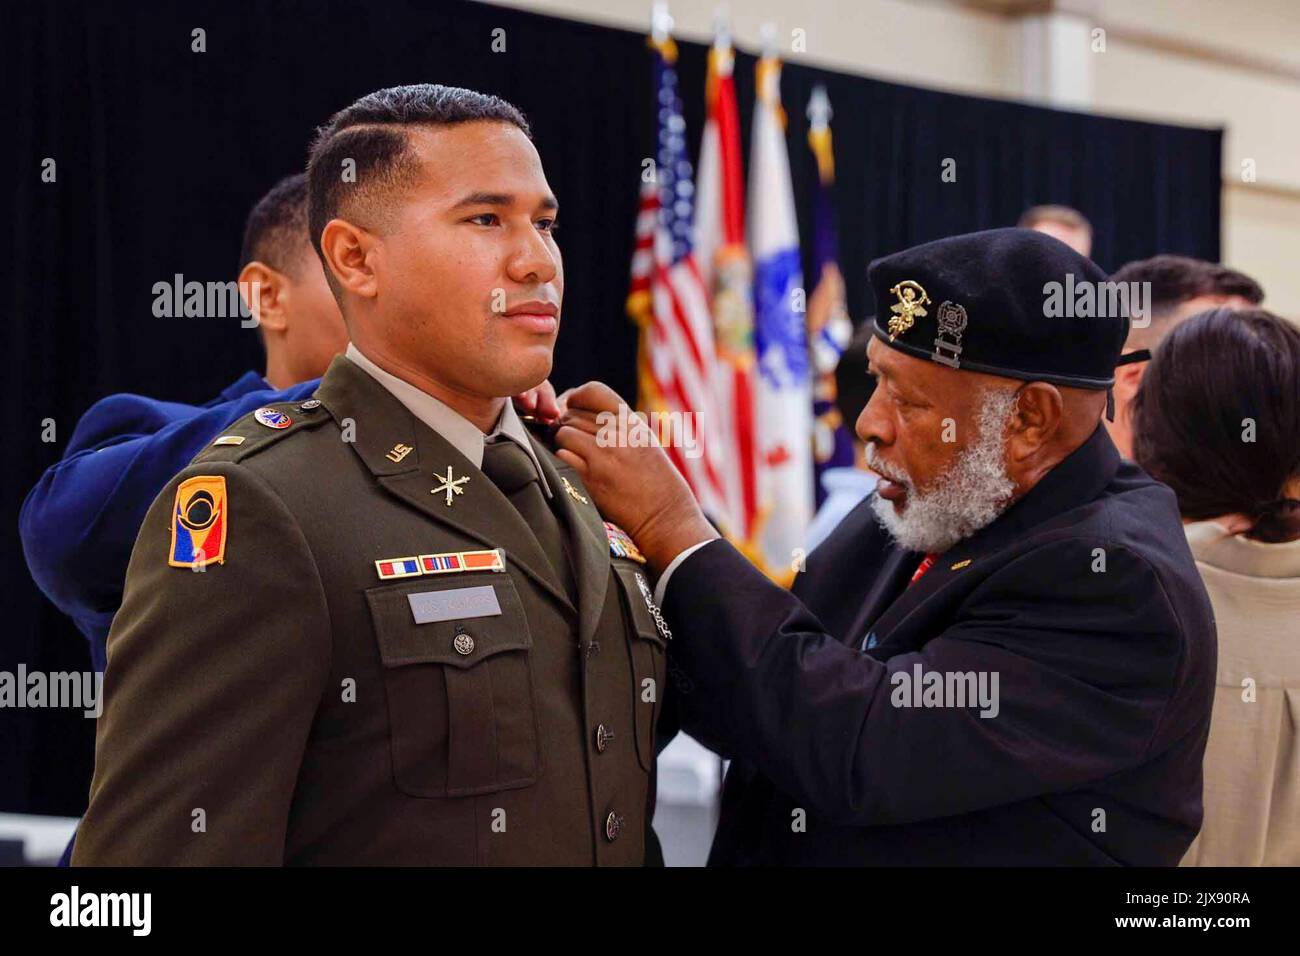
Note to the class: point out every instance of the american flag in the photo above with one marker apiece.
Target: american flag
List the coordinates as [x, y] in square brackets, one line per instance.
[670, 302]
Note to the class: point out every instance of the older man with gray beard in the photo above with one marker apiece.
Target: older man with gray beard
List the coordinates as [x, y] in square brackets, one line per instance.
[1005, 655]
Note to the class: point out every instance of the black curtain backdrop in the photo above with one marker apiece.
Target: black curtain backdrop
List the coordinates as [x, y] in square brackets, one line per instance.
[160, 151]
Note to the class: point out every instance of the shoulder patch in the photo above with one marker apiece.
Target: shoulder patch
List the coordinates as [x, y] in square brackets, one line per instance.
[262, 428]
[621, 544]
[199, 523]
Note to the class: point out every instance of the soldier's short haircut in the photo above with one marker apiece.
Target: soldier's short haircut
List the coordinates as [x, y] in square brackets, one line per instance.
[1176, 279]
[372, 135]
[276, 230]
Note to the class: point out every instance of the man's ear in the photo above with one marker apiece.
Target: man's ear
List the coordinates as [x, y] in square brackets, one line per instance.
[1036, 419]
[1127, 379]
[265, 291]
[347, 250]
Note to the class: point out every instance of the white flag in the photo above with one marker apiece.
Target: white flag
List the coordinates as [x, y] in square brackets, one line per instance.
[784, 402]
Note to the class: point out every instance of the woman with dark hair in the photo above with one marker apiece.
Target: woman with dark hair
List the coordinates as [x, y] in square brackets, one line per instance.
[1217, 419]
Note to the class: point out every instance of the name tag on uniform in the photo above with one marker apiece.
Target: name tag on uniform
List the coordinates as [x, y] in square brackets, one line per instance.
[429, 607]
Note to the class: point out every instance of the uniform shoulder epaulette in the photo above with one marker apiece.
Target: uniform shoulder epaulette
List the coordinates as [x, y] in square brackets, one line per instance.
[262, 428]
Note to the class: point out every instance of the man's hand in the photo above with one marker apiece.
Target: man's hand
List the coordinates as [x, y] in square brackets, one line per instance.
[635, 486]
[540, 402]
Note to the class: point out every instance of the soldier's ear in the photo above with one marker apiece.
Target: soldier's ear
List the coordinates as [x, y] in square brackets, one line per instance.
[347, 250]
[263, 290]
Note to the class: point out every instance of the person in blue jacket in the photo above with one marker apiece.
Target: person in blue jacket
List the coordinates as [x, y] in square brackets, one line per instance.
[126, 447]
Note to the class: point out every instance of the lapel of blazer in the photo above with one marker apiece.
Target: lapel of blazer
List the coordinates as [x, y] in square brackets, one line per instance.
[883, 595]
[377, 422]
[854, 575]
[588, 544]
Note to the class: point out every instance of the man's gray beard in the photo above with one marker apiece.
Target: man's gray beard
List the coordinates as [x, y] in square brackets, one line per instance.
[968, 496]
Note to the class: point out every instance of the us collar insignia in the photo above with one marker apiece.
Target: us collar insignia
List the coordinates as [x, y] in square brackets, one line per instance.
[911, 302]
[398, 452]
[621, 544]
[961, 564]
[573, 492]
[452, 486]
[273, 418]
[947, 345]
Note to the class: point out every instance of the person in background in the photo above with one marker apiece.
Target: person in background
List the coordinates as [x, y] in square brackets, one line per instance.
[1218, 420]
[299, 321]
[1179, 287]
[1060, 222]
[846, 487]
[126, 447]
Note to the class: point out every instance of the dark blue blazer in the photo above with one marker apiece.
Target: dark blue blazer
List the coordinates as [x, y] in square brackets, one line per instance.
[1082, 598]
[79, 523]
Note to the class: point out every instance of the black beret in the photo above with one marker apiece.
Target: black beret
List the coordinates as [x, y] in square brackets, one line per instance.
[1010, 302]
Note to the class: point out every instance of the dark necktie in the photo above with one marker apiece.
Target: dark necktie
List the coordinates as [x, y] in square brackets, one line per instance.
[513, 472]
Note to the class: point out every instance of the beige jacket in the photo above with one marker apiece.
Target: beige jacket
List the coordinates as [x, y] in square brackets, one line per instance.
[1252, 760]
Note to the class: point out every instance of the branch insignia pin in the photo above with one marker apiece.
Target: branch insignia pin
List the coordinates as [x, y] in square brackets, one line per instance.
[573, 492]
[452, 486]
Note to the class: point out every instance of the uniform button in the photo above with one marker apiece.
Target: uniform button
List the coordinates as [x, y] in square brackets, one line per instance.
[603, 736]
[613, 826]
[310, 405]
[464, 644]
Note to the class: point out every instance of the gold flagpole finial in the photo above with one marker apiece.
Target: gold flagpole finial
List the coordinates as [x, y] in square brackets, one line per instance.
[661, 31]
